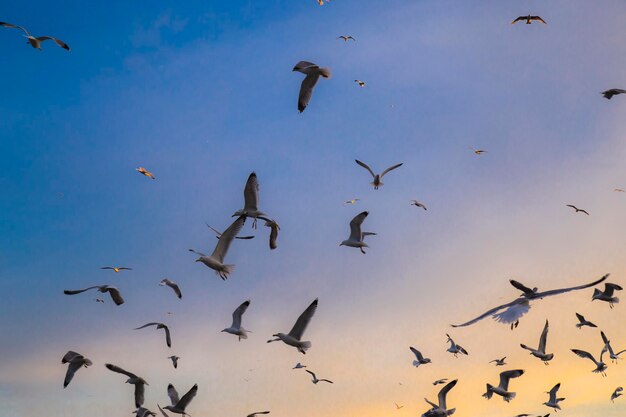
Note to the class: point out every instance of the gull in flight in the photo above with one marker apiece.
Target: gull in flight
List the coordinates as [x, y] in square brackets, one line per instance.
[607, 294]
[608, 94]
[360, 83]
[619, 190]
[168, 339]
[600, 366]
[313, 73]
[75, 361]
[499, 362]
[172, 285]
[582, 321]
[315, 380]
[454, 348]
[529, 19]
[418, 204]
[145, 172]
[441, 409]
[553, 401]
[133, 379]
[180, 404]
[398, 407]
[257, 413]
[511, 312]
[273, 233]
[503, 388]
[577, 209]
[346, 38]
[98, 300]
[440, 381]
[419, 358]
[540, 352]
[35, 42]
[353, 201]
[113, 292]
[235, 328]
[617, 393]
[294, 336]
[607, 343]
[218, 234]
[174, 360]
[357, 238]
[143, 412]
[478, 151]
[377, 178]
[216, 260]
[117, 269]
[299, 366]
[251, 201]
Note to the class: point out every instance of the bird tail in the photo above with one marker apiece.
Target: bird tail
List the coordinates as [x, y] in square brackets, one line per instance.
[489, 392]
[579, 325]
[508, 396]
[225, 271]
[325, 72]
[416, 363]
[615, 300]
[304, 346]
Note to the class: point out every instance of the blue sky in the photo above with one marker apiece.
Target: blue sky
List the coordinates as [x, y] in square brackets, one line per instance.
[202, 93]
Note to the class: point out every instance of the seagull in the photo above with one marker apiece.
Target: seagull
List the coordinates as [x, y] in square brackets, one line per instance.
[553, 402]
[174, 359]
[617, 393]
[454, 348]
[299, 366]
[499, 362]
[312, 73]
[218, 234]
[608, 94]
[35, 42]
[600, 366]
[478, 151]
[529, 19]
[398, 407]
[133, 379]
[235, 328]
[503, 388]
[294, 336]
[273, 233]
[315, 380]
[117, 269]
[113, 292]
[143, 412]
[178, 405]
[168, 339]
[258, 412]
[216, 260]
[75, 361]
[418, 204]
[619, 190]
[145, 172]
[607, 294]
[511, 312]
[441, 409]
[583, 322]
[356, 239]
[440, 381]
[614, 356]
[251, 201]
[172, 285]
[419, 358]
[99, 300]
[346, 38]
[377, 178]
[353, 201]
[540, 352]
[577, 209]
[360, 83]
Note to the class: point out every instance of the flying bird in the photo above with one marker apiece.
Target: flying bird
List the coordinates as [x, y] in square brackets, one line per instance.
[35, 42]
[617, 393]
[251, 201]
[540, 352]
[145, 172]
[600, 366]
[503, 388]
[553, 401]
[273, 233]
[346, 38]
[75, 361]
[174, 360]
[419, 358]
[377, 177]
[454, 348]
[99, 300]
[313, 73]
[619, 190]
[440, 381]
[441, 409]
[133, 379]
[357, 237]
[607, 343]
[180, 404]
[168, 339]
[583, 322]
[117, 269]
[235, 328]
[607, 294]
[315, 380]
[172, 285]
[499, 362]
[608, 94]
[299, 366]
[418, 204]
[353, 201]
[257, 413]
[478, 151]
[398, 407]
[113, 292]
[294, 336]
[218, 234]
[577, 209]
[529, 19]
[360, 83]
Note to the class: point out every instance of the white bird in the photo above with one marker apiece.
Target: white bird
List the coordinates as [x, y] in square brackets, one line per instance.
[353, 201]
[143, 412]
[441, 409]
[172, 285]
[617, 393]
[583, 322]
[510, 313]
[315, 380]
[503, 388]
[216, 260]
[218, 234]
[313, 73]
[294, 336]
[360, 83]
[179, 405]
[174, 360]
[168, 339]
[356, 239]
[454, 348]
[133, 379]
[113, 292]
[235, 328]
[378, 177]
[419, 358]
[257, 413]
[499, 362]
[553, 401]
[600, 365]
[299, 366]
[75, 361]
[251, 201]
[35, 42]
[273, 233]
[418, 204]
[607, 294]
[440, 381]
[607, 343]
[540, 352]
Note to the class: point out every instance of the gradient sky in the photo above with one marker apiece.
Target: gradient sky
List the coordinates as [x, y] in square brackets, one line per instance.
[202, 93]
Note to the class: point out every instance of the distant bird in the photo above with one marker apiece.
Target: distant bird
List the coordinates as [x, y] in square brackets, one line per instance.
[503, 388]
[360, 83]
[313, 73]
[257, 413]
[607, 343]
[218, 234]
[600, 365]
[143, 412]
[172, 285]
[235, 328]
[315, 380]
[179, 405]
[99, 300]
[168, 339]
[553, 401]
[377, 177]
[75, 361]
[454, 348]
[113, 292]
[346, 38]
[353, 201]
[583, 322]
[357, 237]
[299, 366]
[419, 358]
[511, 312]
[441, 409]
[145, 172]
[216, 260]
[478, 151]
[418, 204]
[174, 360]
[440, 381]
[35, 42]
[251, 201]
[398, 407]
[540, 352]
[619, 190]
[607, 294]
[133, 379]
[577, 209]
[617, 393]
[295, 335]
[529, 19]
[117, 269]
[499, 362]
[608, 94]
[273, 233]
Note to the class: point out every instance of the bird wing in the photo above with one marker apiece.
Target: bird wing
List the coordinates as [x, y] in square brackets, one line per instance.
[444, 391]
[584, 211]
[251, 193]
[147, 325]
[491, 312]
[227, 238]
[364, 165]
[355, 226]
[518, 19]
[168, 337]
[73, 292]
[69, 356]
[538, 18]
[59, 42]
[139, 394]
[391, 168]
[173, 394]
[306, 90]
[521, 287]
[553, 392]
[9, 25]
[119, 370]
[303, 321]
[417, 353]
[115, 295]
[238, 313]
[507, 375]
[572, 206]
[581, 318]
[609, 289]
[326, 380]
[312, 374]
[184, 402]
[174, 286]
[564, 290]
[273, 233]
[544, 338]
[71, 370]
[584, 354]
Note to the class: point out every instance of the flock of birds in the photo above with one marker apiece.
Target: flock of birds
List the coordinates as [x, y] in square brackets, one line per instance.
[508, 313]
